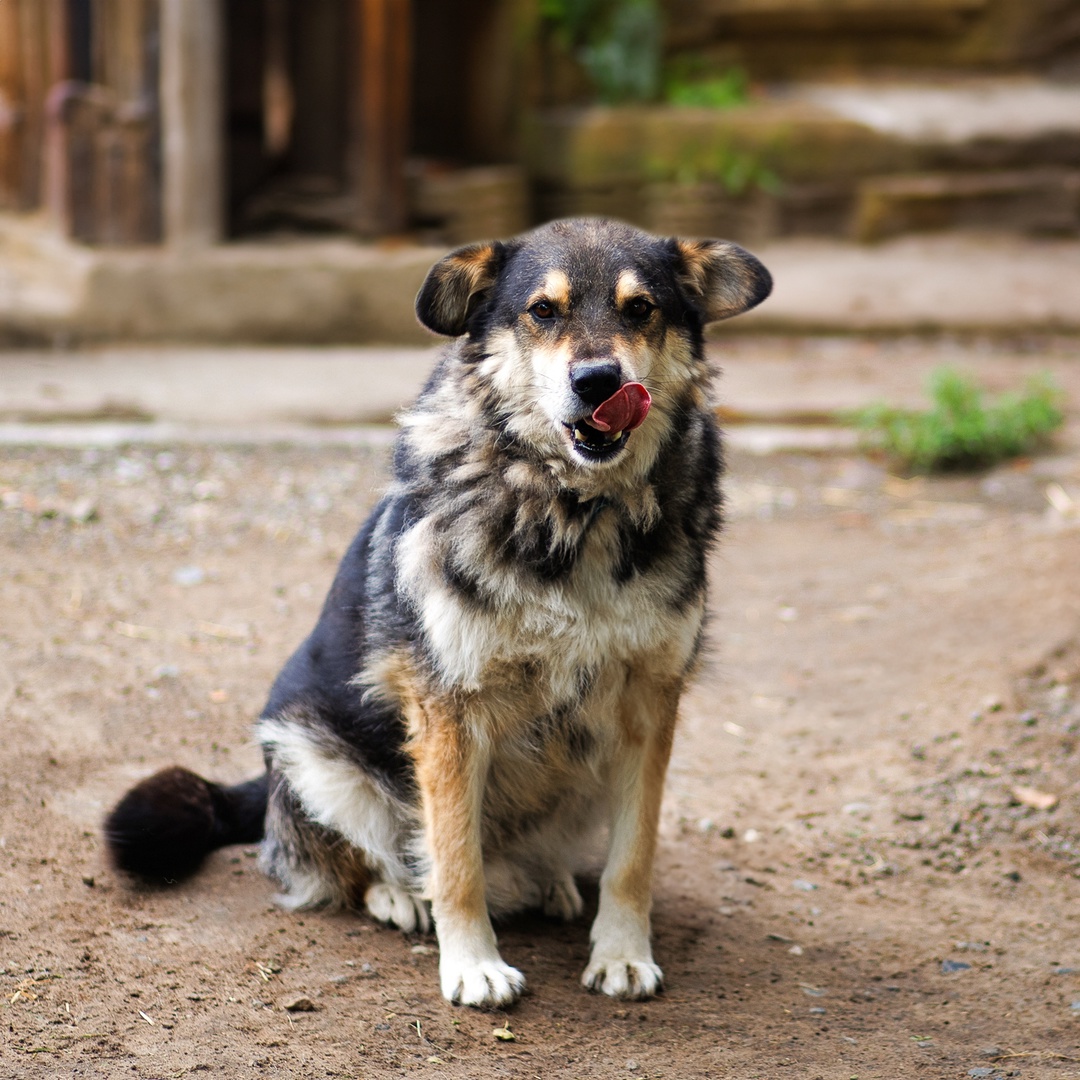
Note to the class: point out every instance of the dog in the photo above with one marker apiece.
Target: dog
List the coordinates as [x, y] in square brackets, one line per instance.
[496, 672]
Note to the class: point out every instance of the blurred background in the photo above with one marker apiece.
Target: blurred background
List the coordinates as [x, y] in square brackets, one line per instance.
[186, 125]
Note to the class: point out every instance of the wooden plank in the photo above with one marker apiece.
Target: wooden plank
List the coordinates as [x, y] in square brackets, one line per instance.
[11, 108]
[192, 112]
[33, 51]
[379, 122]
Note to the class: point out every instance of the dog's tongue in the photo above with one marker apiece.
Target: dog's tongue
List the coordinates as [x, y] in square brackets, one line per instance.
[625, 409]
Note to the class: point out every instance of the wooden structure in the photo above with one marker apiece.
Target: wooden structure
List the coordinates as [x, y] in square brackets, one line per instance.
[185, 121]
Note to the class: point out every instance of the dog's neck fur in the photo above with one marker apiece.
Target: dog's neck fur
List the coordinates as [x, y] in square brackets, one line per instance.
[443, 451]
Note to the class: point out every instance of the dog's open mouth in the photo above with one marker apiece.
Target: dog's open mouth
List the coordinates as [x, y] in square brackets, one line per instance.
[605, 433]
[595, 444]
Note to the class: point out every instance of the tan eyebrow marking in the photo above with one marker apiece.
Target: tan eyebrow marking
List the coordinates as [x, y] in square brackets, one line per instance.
[556, 288]
[628, 286]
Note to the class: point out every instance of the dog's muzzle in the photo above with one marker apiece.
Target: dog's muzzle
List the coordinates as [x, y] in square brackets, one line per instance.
[607, 429]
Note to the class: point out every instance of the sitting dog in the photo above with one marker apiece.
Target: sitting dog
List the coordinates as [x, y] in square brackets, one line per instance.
[496, 671]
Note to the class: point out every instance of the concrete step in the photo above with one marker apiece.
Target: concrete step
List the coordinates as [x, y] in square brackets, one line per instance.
[332, 292]
[774, 393]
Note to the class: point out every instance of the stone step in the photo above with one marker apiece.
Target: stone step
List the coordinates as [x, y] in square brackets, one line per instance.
[1034, 201]
[795, 161]
[811, 38]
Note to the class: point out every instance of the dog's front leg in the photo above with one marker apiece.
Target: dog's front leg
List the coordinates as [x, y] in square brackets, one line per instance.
[621, 963]
[451, 766]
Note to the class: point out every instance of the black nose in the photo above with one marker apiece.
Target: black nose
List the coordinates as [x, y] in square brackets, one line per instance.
[594, 381]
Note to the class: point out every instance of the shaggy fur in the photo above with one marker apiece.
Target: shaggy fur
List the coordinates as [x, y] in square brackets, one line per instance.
[496, 672]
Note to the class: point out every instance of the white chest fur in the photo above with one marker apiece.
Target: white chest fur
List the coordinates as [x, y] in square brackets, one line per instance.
[581, 623]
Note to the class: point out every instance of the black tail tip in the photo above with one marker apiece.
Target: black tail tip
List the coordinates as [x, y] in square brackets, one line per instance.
[164, 827]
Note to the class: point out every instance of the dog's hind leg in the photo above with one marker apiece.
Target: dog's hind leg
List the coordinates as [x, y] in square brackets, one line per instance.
[314, 865]
[399, 907]
[621, 963]
[562, 899]
[334, 834]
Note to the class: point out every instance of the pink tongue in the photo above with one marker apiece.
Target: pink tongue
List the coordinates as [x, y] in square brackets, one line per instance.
[625, 409]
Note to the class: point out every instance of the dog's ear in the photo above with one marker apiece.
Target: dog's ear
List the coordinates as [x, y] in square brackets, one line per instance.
[456, 284]
[719, 278]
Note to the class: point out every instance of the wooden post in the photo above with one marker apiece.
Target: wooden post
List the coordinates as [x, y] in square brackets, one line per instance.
[11, 109]
[379, 123]
[192, 120]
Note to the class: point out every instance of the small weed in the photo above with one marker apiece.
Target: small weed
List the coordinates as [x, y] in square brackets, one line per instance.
[959, 431]
[692, 89]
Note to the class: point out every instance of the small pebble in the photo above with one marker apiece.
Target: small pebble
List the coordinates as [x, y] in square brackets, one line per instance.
[299, 1004]
[82, 511]
[803, 886]
[187, 576]
[982, 1070]
[817, 1010]
[948, 966]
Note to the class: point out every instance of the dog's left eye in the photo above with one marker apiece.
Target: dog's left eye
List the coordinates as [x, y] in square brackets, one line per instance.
[543, 309]
[639, 308]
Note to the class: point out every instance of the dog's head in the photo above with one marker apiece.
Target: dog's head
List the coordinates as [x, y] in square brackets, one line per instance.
[587, 330]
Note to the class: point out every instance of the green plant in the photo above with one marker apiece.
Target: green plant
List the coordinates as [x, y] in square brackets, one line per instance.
[959, 431]
[738, 171]
[690, 87]
[617, 42]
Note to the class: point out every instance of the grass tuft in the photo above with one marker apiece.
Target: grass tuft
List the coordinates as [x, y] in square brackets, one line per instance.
[959, 431]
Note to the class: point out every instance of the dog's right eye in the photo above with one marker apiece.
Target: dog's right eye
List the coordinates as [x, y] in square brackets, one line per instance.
[543, 309]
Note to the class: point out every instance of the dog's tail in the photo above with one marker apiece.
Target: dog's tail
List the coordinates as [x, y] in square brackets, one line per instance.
[164, 827]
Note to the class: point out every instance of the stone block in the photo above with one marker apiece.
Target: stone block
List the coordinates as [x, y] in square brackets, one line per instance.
[1031, 201]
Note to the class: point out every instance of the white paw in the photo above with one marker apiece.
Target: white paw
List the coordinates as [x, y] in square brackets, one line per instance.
[486, 984]
[562, 899]
[390, 904]
[623, 978]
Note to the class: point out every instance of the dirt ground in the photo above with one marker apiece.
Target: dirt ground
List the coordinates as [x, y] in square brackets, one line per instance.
[860, 875]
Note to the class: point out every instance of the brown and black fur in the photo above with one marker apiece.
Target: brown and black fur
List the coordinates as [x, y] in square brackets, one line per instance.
[496, 672]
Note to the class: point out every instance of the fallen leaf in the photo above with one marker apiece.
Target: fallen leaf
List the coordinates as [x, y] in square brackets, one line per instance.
[504, 1033]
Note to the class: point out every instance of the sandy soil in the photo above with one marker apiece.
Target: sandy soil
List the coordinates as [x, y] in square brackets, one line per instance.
[856, 878]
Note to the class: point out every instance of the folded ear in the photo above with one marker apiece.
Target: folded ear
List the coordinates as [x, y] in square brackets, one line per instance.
[455, 285]
[720, 278]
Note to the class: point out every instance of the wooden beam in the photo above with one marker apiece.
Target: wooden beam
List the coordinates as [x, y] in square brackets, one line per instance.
[192, 120]
[379, 121]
